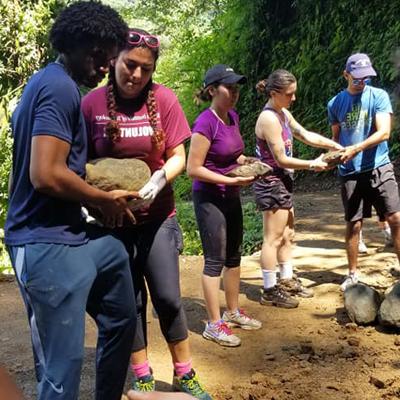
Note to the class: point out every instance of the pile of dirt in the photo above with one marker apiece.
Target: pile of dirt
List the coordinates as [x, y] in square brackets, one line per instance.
[313, 352]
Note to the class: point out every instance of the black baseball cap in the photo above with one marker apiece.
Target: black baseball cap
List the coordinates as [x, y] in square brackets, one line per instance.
[222, 73]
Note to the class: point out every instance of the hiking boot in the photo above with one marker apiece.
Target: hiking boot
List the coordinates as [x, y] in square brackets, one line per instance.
[145, 383]
[189, 383]
[278, 298]
[221, 334]
[294, 287]
[350, 280]
[240, 319]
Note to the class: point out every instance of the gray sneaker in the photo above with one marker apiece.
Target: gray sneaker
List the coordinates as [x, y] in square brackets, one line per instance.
[240, 319]
[221, 334]
[278, 298]
[349, 280]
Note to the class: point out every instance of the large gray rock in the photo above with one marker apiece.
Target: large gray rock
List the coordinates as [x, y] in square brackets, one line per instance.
[389, 313]
[113, 173]
[362, 303]
[256, 168]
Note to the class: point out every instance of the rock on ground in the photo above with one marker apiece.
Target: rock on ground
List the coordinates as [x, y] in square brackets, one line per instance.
[389, 313]
[361, 303]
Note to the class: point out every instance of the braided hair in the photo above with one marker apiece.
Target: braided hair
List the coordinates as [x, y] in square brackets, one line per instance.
[113, 130]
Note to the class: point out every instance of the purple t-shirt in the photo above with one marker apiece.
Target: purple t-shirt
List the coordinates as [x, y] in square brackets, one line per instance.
[226, 145]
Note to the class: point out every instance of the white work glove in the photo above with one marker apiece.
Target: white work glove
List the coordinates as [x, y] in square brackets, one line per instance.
[155, 184]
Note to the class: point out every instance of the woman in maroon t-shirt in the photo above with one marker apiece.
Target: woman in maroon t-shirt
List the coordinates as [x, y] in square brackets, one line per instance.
[132, 117]
[275, 129]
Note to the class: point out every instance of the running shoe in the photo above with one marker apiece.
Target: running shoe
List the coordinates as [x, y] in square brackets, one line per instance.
[240, 319]
[145, 383]
[277, 297]
[388, 238]
[294, 287]
[190, 384]
[362, 248]
[349, 280]
[221, 334]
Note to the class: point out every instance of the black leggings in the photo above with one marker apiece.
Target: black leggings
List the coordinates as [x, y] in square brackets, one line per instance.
[220, 222]
[154, 256]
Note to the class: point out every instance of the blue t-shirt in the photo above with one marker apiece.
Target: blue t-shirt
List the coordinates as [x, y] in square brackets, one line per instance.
[50, 105]
[356, 116]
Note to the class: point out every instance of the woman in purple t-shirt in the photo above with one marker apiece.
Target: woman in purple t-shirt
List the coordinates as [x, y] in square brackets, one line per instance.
[216, 148]
[275, 129]
[133, 117]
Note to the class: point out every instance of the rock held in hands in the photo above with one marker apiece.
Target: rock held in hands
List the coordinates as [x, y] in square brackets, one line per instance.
[117, 174]
[333, 157]
[256, 169]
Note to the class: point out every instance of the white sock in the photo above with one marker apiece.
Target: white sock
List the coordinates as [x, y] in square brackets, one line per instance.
[286, 270]
[269, 278]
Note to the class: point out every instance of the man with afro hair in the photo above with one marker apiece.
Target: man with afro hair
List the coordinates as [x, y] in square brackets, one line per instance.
[64, 266]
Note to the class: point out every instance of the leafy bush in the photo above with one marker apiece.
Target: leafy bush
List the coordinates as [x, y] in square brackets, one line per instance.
[187, 221]
[252, 228]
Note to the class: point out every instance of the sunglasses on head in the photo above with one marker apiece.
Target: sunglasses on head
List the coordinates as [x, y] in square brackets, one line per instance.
[360, 81]
[135, 38]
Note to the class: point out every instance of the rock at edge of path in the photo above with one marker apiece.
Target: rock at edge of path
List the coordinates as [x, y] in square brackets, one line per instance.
[362, 303]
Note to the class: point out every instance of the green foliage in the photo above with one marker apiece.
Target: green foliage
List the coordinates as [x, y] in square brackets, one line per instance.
[182, 187]
[187, 221]
[252, 228]
[252, 225]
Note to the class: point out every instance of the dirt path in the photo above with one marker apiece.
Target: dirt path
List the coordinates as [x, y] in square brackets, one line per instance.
[308, 353]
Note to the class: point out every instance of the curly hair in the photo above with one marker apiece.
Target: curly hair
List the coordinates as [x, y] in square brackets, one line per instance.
[113, 131]
[87, 24]
[277, 80]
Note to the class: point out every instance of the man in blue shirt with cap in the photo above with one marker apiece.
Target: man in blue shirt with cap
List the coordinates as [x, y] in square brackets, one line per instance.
[360, 117]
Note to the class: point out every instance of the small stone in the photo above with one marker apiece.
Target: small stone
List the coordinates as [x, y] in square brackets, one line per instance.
[306, 348]
[334, 349]
[304, 357]
[320, 332]
[377, 382]
[269, 357]
[351, 326]
[257, 378]
[304, 364]
[350, 352]
[353, 341]
[397, 341]
[332, 386]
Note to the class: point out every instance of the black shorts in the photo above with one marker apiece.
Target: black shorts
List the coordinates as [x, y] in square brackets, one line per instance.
[273, 194]
[377, 188]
